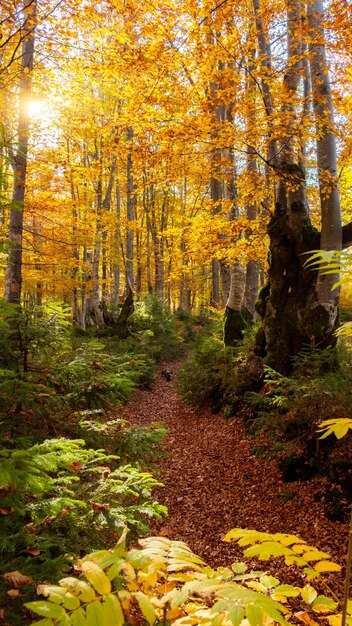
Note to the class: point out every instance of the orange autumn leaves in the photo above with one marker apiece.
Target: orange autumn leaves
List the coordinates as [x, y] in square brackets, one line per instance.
[112, 67]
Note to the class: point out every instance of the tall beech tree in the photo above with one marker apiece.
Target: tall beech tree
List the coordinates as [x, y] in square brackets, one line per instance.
[298, 305]
[19, 156]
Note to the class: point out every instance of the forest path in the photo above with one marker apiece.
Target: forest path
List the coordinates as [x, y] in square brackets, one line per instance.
[213, 482]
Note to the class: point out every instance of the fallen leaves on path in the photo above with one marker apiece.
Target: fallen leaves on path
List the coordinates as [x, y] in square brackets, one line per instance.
[213, 482]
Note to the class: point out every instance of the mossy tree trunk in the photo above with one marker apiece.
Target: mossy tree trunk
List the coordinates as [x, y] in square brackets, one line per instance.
[236, 317]
[122, 328]
[298, 306]
[286, 303]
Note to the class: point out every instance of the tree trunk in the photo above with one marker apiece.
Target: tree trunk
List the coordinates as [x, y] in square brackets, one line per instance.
[149, 274]
[251, 288]
[331, 228]
[285, 302]
[75, 251]
[183, 302]
[125, 313]
[131, 200]
[216, 184]
[289, 304]
[265, 63]
[215, 283]
[116, 268]
[298, 306]
[84, 299]
[95, 301]
[235, 318]
[13, 279]
[98, 307]
[159, 245]
[253, 269]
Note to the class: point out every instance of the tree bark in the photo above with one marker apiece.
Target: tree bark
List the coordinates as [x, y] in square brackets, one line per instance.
[116, 267]
[298, 305]
[216, 184]
[265, 63]
[125, 313]
[235, 318]
[285, 302]
[331, 229]
[291, 310]
[131, 200]
[75, 252]
[97, 306]
[252, 270]
[13, 279]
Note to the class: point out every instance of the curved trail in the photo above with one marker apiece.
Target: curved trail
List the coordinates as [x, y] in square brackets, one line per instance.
[213, 482]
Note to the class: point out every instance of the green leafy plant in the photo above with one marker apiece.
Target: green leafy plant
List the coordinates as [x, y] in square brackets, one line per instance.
[140, 445]
[165, 582]
[207, 376]
[91, 378]
[57, 477]
[155, 330]
[338, 427]
[58, 498]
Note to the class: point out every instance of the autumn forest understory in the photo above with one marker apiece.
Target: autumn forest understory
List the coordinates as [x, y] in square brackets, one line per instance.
[176, 314]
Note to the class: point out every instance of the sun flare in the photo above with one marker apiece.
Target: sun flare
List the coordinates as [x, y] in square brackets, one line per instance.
[37, 107]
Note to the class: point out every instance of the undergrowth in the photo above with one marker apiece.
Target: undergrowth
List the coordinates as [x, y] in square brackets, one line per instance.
[164, 582]
[217, 375]
[281, 413]
[73, 473]
[155, 330]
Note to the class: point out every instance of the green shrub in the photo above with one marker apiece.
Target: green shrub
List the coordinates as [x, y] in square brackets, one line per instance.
[218, 376]
[49, 375]
[155, 329]
[29, 341]
[59, 498]
[63, 496]
[203, 378]
[140, 445]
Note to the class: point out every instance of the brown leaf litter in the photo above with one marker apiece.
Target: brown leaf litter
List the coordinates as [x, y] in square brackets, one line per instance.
[214, 482]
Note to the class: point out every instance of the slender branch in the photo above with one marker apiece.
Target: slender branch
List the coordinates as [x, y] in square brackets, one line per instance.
[347, 235]
[218, 6]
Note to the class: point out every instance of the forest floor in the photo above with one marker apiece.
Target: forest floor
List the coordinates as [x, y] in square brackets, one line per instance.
[213, 482]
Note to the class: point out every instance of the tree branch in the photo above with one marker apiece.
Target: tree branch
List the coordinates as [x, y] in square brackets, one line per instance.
[347, 236]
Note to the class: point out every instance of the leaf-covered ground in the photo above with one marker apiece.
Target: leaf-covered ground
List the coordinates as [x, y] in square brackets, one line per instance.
[213, 483]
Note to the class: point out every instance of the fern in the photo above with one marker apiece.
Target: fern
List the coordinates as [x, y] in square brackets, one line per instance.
[61, 497]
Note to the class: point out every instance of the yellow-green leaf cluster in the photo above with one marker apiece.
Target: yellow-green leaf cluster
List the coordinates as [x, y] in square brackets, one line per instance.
[294, 550]
[165, 580]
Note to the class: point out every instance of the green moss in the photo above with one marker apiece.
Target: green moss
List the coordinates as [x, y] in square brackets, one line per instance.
[263, 295]
[235, 322]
